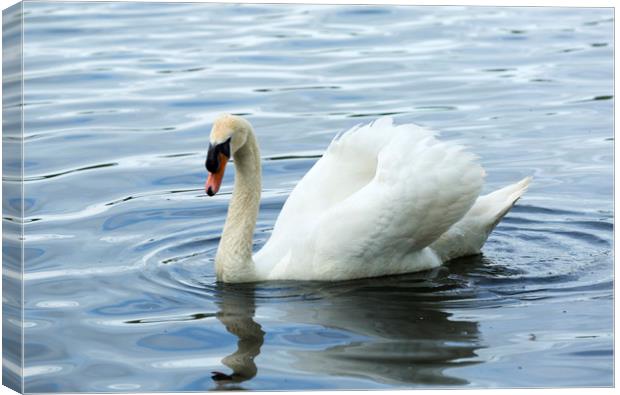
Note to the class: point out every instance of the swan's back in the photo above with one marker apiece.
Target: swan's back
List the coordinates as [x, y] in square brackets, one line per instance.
[371, 205]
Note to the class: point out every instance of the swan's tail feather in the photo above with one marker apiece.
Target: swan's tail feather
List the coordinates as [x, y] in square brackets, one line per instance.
[467, 236]
[494, 206]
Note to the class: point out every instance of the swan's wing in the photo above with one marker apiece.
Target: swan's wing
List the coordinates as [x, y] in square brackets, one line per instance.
[380, 190]
[347, 165]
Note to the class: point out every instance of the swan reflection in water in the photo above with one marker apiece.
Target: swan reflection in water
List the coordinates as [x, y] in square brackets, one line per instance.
[236, 312]
[392, 330]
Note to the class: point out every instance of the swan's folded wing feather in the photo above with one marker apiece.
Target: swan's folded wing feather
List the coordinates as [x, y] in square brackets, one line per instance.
[421, 187]
[348, 164]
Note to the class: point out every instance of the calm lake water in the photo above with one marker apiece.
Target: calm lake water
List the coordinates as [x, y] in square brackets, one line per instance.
[120, 292]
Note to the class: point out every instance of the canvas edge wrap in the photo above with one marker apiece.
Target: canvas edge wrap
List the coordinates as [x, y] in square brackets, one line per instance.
[12, 199]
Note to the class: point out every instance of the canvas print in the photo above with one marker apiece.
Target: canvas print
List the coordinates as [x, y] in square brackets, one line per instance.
[204, 196]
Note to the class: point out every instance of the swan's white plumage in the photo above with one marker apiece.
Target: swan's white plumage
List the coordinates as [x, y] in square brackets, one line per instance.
[467, 236]
[383, 199]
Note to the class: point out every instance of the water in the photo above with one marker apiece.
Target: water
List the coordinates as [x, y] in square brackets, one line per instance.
[120, 293]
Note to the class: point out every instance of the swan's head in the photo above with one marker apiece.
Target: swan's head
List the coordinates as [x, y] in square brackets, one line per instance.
[228, 135]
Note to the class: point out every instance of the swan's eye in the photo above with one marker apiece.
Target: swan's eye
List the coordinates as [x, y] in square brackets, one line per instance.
[213, 162]
[225, 147]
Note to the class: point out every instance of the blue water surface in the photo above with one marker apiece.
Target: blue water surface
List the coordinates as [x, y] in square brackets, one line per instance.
[120, 292]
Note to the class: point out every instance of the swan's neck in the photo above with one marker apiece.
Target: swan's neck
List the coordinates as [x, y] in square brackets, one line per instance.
[233, 262]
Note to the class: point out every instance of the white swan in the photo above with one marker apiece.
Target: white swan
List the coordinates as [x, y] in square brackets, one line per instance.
[383, 199]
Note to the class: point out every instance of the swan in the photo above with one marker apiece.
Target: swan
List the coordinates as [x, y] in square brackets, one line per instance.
[384, 199]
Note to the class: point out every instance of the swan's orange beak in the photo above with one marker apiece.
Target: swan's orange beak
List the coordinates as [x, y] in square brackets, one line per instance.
[215, 179]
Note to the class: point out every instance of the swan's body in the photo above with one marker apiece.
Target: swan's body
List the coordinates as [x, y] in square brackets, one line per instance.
[382, 200]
